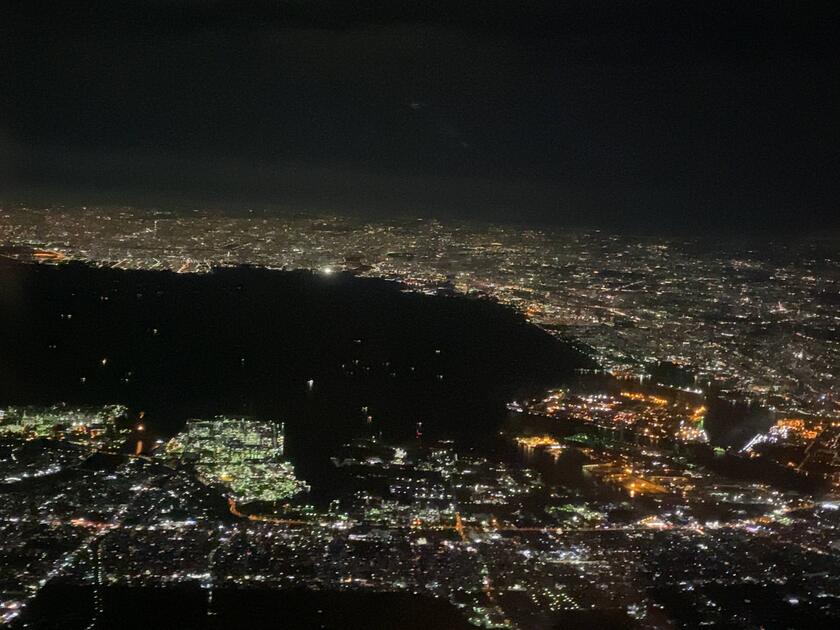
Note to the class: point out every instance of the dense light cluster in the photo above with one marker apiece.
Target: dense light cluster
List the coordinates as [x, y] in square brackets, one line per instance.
[245, 456]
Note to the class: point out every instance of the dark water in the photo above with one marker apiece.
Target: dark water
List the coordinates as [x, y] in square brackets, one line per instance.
[66, 607]
[248, 341]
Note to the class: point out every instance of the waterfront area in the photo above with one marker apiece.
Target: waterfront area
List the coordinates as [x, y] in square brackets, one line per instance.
[419, 315]
[751, 320]
[404, 435]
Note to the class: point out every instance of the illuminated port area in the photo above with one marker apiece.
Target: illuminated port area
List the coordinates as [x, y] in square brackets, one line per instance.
[809, 445]
[535, 441]
[243, 455]
[646, 416]
[96, 428]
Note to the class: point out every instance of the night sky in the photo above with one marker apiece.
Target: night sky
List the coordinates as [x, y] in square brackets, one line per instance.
[625, 115]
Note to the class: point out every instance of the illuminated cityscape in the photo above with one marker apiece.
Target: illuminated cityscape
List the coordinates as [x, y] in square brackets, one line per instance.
[502, 545]
[419, 315]
[617, 493]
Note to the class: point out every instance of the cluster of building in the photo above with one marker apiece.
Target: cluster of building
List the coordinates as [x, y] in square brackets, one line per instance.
[809, 445]
[98, 428]
[626, 415]
[42, 441]
[623, 522]
[642, 535]
[245, 456]
[806, 444]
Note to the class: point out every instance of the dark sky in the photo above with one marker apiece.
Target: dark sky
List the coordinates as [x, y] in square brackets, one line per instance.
[677, 115]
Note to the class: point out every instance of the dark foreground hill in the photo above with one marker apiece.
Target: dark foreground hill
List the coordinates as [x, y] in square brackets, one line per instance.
[250, 340]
